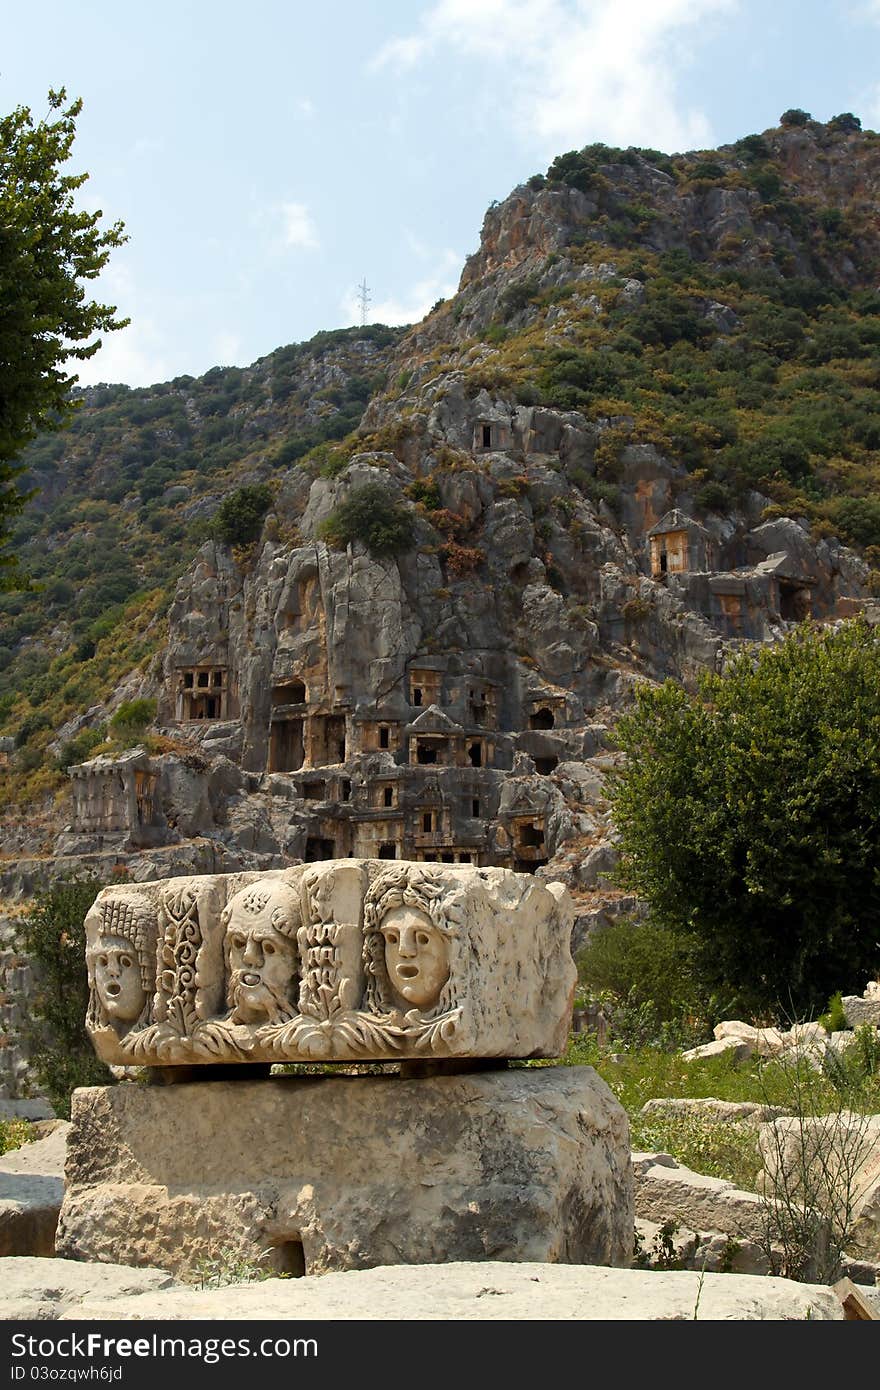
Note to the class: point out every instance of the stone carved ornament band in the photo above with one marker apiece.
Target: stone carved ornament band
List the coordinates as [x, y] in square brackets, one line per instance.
[348, 960]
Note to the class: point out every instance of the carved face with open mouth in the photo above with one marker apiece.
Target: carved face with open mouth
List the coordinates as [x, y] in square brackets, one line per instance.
[118, 979]
[262, 963]
[415, 956]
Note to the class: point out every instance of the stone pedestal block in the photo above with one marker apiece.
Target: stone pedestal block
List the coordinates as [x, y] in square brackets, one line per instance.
[325, 1173]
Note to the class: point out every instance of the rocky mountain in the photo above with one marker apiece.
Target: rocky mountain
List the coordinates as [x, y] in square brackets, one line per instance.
[643, 432]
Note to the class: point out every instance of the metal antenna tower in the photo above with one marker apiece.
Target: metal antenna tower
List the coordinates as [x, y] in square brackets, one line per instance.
[363, 297]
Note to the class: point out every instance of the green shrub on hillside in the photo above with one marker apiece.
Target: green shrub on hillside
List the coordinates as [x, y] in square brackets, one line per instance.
[371, 515]
[131, 719]
[239, 518]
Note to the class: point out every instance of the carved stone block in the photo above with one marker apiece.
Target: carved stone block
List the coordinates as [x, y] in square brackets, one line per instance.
[310, 1174]
[348, 960]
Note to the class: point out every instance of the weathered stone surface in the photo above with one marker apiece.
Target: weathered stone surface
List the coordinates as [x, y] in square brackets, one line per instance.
[36, 1108]
[718, 1111]
[712, 1251]
[484, 1291]
[42, 1289]
[347, 960]
[31, 1189]
[666, 1190]
[836, 1156]
[740, 1050]
[766, 1042]
[861, 1010]
[519, 1164]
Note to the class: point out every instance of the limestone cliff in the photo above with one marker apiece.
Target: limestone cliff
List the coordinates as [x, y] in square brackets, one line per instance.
[609, 452]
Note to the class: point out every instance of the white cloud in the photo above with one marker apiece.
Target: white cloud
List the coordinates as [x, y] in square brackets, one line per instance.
[135, 355]
[298, 226]
[413, 303]
[399, 53]
[306, 108]
[226, 347]
[576, 70]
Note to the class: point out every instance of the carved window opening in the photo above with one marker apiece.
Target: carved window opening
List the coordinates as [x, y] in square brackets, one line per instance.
[345, 789]
[202, 694]
[475, 753]
[795, 601]
[327, 734]
[531, 836]
[426, 752]
[429, 858]
[546, 765]
[317, 849]
[542, 718]
[289, 693]
[475, 806]
[427, 822]
[286, 749]
[384, 736]
[314, 791]
[486, 436]
[465, 859]
[288, 1259]
[388, 796]
[447, 858]
[388, 850]
[417, 695]
[670, 554]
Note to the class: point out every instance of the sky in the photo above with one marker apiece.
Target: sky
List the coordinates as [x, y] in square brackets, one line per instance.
[267, 158]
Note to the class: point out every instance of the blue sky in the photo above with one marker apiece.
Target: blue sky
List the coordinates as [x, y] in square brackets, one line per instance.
[266, 157]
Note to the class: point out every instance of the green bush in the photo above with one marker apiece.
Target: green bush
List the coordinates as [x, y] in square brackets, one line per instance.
[371, 515]
[846, 121]
[794, 116]
[239, 518]
[133, 716]
[834, 1019]
[749, 816]
[14, 1133]
[649, 977]
[53, 935]
[77, 749]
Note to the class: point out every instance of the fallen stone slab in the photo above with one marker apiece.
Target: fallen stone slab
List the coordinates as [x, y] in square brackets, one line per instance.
[31, 1190]
[672, 1246]
[835, 1156]
[324, 1173]
[766, 1042]
[35, 1288]
[484, 1291]
[36, 1109]
[722, 1111]
[667, 1190]
[857, 1010]
[740, 1050]
[488, 1292]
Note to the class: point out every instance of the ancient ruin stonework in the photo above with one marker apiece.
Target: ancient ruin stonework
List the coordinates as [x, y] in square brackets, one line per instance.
[304, 1175]
[339, 961]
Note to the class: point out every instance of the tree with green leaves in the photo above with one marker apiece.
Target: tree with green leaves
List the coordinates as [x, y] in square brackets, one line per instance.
[749, 816]
[48, 248]
[52, 933]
